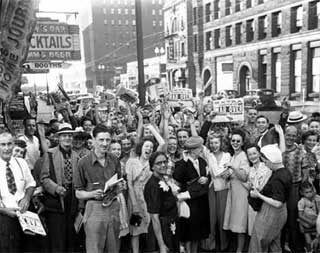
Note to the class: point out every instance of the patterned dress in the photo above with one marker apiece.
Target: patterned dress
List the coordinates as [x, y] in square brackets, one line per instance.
[137, 176]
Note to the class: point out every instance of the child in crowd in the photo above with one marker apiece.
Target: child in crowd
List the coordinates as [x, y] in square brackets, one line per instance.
[308, 208]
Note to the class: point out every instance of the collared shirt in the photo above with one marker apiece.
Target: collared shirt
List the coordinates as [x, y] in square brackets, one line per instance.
[23, 180]
[294, 160]
[65, 153]
[33, 151]
[91, 175]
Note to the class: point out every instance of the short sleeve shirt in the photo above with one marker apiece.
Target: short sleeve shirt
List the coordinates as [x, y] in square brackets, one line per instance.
[279, 185]
[313, 205]
[159, 200]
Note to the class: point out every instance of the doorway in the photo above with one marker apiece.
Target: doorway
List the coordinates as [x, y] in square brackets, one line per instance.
[244, 77]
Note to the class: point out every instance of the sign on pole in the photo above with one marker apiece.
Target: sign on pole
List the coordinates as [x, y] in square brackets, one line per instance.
[55, 41]
[229, 110]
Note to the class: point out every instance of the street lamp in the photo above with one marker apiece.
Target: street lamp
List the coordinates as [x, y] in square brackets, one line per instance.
[101, 68]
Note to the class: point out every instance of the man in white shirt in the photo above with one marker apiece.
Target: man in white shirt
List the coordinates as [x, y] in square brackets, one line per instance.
[33, 144]
[16, 189]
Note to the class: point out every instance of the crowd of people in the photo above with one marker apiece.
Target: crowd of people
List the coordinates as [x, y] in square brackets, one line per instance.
[184, 182]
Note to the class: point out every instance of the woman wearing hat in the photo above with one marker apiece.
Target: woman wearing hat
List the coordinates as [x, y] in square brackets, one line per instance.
[273, 211]
[192, 175]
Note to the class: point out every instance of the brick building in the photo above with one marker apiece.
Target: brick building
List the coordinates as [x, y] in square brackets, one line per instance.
[249, 44]
[109, 37]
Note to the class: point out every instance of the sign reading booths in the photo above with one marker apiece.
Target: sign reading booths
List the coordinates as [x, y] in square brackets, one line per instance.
[54, 41]
[229, 110]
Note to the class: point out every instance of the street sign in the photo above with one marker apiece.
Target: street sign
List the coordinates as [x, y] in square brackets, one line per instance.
[54, 41]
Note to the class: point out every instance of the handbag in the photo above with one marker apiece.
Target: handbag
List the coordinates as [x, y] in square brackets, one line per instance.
[135, 220]
[255, 203]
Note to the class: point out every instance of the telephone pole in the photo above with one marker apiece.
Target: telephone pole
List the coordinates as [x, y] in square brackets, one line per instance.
[139, 31]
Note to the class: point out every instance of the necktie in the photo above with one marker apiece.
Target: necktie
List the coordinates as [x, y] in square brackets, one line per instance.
[68, 170]
[10, 180]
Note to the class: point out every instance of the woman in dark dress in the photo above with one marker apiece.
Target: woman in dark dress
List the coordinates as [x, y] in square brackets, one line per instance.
[162, 204]
[191, 173]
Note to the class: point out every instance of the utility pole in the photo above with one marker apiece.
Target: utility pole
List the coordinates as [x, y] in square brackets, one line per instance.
[139, 31]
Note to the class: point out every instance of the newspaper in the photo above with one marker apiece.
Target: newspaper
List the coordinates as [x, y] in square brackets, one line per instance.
[30, 223]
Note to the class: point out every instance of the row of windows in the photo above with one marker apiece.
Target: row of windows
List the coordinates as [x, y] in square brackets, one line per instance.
[126, 22]
[126, 11]
[295, 69]
[213, 10]
[249, 27]
[119, 2]
[176, 50]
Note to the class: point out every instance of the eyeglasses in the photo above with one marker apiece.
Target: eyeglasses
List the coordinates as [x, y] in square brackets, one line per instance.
[162, 162]
[235, 141]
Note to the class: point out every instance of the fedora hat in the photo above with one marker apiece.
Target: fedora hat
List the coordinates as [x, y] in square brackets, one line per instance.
[296, 117]
[193, 142]
[65, 128]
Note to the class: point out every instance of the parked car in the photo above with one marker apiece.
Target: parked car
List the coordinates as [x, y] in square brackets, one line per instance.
[260, 97]
[226, 94]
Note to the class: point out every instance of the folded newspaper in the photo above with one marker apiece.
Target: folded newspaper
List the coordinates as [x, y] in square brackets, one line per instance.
[30, 223]
[111, 190]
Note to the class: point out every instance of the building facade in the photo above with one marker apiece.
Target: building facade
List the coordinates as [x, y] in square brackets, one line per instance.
[250, 44]
[109, 37]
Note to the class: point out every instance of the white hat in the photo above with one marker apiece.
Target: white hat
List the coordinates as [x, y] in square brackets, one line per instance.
[65, 128]
[296, 117]
[272, 153]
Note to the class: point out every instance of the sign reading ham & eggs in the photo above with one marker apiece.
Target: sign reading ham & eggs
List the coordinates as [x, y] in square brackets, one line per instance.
[229, 110]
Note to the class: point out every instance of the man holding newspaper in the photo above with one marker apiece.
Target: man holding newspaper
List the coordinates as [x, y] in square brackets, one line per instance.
[95, 181]
[16, 189]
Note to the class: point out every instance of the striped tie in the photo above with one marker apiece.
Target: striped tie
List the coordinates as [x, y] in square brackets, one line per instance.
[10, 180]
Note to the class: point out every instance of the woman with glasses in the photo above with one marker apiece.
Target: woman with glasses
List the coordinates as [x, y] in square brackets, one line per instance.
[236, 215]
[192, 175]
[161, 204]
[259, 175]
[272, 214]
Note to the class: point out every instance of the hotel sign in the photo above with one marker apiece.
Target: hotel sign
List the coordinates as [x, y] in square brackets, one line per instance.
[54, 41]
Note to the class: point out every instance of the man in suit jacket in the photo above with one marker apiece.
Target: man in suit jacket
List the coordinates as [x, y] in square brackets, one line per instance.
[60, 203]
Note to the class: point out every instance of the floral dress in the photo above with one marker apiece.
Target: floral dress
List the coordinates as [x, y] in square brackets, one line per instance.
[138, 175]
[257, 179]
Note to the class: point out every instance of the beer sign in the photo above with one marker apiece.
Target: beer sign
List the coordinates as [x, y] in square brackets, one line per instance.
[54, 41]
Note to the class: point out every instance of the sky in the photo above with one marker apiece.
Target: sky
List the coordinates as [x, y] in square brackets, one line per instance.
[60, 5]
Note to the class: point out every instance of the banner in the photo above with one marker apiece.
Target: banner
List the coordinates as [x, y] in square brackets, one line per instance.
[229, 110]
[16, 27]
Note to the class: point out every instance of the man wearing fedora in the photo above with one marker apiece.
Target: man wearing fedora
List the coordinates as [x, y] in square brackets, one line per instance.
[297, 118]
[61, 206]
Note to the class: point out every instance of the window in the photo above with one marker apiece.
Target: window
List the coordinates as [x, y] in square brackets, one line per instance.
[250, 28]
[217, 40]
[126, 11]
[276, 71]
[105, 22]
[297, 70]
[133, 22]
[260, 1]
[119, 11]
[262, 70]
[195, 42]
[112, 11]
[228, 36]
[195, 15]
[132, 2]
[133, 12]
[239, 5]
[125, 2]
[238, 33]
[153, 1]
[228, 7]
[127, 22]
[153, 12]
[315, 69]
[160, 23]
[112, 22]
[276, 24]
[160, 12]
[216, 9]
[296, 19]
[119, 22]
[104, 11]
[249, 3]
[208, 12]
[314, 14]
[183, 49]
[208, 40]
[263, 25]
[154, 23]
[160, 1]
